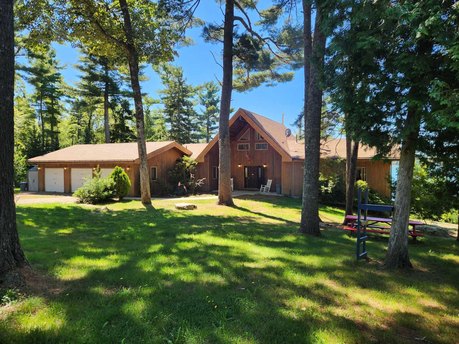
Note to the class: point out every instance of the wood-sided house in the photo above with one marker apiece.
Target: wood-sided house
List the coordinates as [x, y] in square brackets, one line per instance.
[65, 170]
[263, 149]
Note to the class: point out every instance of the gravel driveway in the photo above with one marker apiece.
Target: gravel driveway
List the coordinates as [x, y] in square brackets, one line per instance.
[41, 198]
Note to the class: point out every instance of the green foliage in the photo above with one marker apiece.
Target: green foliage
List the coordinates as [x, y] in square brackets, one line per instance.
[182, 176]
[43, 73]
[122, 183]
[9, 296]
[20, 166]
[209, 99]
[264, 48]
[122, 128]
[331, 181]
[432, 196]
[451, 216]
[96, 190]
[178, 99]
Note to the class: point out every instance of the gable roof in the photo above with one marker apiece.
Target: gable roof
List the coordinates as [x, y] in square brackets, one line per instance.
[195, 148]
[288, 147]
[273, 132]
[107, 152]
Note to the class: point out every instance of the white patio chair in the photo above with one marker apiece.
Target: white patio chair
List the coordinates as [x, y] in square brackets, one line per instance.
[267, 187]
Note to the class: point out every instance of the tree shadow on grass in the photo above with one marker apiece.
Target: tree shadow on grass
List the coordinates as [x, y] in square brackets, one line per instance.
[150, 275]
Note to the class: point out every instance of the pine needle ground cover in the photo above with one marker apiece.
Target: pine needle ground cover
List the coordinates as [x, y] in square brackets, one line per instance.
[124, 273]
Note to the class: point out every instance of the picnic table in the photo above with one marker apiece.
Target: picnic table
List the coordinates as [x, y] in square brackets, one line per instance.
[379, 225]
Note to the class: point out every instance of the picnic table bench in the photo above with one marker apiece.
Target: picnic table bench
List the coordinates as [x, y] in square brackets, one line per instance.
[380, 225]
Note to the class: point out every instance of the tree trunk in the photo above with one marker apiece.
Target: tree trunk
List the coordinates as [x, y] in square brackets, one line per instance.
[11, 255]
[133, 60]
[312, 118]
[397, 252]
[106, 106]
[352, 152]
[224, 181]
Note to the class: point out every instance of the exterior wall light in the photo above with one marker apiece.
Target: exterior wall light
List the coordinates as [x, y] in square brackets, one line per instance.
[128, 168]
[264, 165]
[239, 165]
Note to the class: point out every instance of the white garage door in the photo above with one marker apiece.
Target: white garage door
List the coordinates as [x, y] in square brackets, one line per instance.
[79, 176]
[105, 172]
[54, 180]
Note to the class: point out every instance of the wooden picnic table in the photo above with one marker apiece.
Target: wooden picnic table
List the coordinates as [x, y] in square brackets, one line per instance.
[379, 225]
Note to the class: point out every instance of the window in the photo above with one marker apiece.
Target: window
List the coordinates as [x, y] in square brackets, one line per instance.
[243, 146]
[154, 173]
[261, 146]
[214, 172]
[259, 137]
[361, 173]
[245, 136]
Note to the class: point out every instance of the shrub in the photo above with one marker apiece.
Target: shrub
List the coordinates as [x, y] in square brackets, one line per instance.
[121, 181]
[182, 178]
[96, 190]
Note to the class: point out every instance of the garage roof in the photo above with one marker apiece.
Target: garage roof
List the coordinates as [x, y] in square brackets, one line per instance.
[106, 152]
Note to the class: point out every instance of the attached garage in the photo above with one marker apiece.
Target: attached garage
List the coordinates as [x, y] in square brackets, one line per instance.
[65, 170]
[54, 180]
[78, 176]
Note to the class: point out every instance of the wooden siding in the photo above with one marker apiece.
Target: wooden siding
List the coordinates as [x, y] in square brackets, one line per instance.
[239, 159]
[378, 175]
[292, 178]
[164, 162]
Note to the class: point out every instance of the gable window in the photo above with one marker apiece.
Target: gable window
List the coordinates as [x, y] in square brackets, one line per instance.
[245, 136]
[261, 146]
[361, 174]
[154, 173]
[243, 146]
[259, 137]
[214, 172]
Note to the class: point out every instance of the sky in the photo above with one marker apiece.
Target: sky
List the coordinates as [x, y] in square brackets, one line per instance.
[199, 66]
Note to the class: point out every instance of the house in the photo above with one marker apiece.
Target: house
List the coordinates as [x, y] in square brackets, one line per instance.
[263, 149]
[66, 170]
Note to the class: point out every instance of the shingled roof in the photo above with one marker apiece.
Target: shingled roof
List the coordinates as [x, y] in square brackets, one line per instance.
[275, 133]
[106, 152]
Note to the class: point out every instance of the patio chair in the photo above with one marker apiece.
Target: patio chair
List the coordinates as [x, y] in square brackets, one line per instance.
[232, 184]
[267, 186]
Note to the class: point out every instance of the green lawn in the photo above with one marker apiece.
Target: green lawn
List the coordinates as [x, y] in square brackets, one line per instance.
[123, 273]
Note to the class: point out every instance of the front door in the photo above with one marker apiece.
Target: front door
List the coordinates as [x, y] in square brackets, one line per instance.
[253, 177]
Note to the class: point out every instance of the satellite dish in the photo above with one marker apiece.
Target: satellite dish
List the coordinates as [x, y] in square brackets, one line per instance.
[288, 132]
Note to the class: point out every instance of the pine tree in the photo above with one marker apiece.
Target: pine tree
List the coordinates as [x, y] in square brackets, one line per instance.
[44, 75]
[178, 99]
[209, 100]
[121, 130]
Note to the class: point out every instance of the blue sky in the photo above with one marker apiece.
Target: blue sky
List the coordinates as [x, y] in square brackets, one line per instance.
[199, 66]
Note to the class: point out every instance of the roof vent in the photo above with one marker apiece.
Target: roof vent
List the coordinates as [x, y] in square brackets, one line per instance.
[288, 132]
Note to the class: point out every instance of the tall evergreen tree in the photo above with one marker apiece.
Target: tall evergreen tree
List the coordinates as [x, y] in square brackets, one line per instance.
[178, 98]
[121, 130]
[209, 100]
[396, 53]
[44, 75]
[11, 254]
[135, 32]
[253, 54]
[100, 81]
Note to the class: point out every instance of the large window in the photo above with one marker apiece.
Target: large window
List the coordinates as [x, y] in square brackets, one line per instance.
[261, 146]
[243, 146]
[154, 173]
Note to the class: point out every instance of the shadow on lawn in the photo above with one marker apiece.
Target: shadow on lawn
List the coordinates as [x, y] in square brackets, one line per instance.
[198, 278]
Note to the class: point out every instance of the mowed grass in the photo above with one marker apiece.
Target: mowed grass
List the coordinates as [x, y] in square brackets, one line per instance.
[122, 273]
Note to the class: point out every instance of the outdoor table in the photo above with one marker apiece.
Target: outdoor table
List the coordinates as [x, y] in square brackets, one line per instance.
[379, 225]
